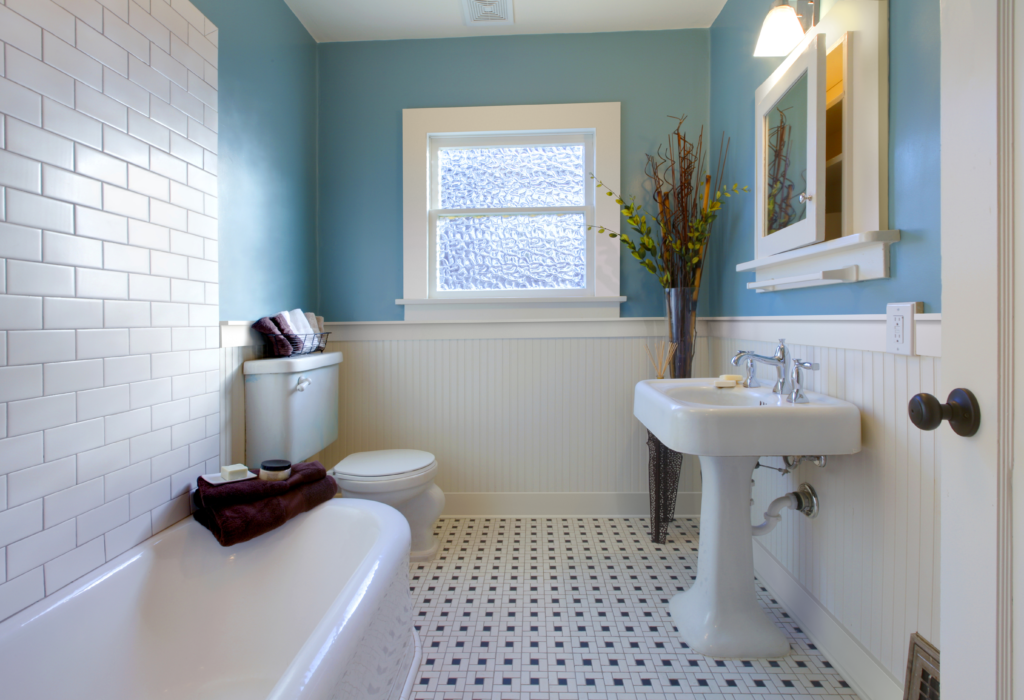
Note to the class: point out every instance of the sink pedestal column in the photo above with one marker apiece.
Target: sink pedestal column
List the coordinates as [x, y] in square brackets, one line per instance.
[719, 615]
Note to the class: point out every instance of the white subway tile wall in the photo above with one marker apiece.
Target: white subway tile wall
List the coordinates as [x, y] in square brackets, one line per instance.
[108, 281]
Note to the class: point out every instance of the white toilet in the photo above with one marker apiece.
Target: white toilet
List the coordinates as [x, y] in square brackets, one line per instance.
[404, 479]
[291, 412]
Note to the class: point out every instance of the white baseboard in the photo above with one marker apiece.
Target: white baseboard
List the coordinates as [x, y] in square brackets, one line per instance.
[856, 665]
[605, 505]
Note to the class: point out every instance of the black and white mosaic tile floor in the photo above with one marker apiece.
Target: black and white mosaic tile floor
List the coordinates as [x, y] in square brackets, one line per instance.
[577, 608]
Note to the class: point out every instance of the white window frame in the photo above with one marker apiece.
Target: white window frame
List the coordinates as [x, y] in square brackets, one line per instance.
[425, 129]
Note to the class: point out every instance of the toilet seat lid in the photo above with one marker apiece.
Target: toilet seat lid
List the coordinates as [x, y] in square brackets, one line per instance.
[380, 463]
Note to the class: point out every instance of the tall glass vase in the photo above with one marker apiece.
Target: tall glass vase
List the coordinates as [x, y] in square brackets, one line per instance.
[681, 311]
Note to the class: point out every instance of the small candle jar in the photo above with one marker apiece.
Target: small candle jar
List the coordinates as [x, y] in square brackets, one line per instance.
[275, 470]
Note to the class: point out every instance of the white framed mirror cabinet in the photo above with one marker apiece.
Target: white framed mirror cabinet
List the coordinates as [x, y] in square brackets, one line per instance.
[822, 158]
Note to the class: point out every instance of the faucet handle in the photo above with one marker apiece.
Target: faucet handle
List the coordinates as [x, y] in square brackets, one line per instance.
[750, 380]
[797, 394]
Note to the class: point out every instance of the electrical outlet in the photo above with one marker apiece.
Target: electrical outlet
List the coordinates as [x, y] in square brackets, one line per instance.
[899, 327]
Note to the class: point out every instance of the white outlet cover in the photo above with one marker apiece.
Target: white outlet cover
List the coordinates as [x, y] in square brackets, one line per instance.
[900, 327]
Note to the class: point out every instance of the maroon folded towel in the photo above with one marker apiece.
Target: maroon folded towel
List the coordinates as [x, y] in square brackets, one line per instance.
[266, 326]
[236, 493]
[243, 522]
[286, 329]
[280, 345]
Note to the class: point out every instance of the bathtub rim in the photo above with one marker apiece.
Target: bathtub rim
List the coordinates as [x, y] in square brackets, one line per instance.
[388, 554]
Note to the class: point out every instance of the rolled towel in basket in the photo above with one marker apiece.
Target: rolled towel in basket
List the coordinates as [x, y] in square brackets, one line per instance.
[279, 344]
[311, 319]
[302, 327]
[284, 323]
[240, 523]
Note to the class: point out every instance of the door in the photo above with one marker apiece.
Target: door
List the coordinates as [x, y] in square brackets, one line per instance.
[977, 209]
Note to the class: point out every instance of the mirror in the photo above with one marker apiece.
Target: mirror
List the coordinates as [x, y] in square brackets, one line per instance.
[789, 184]
[786, 159]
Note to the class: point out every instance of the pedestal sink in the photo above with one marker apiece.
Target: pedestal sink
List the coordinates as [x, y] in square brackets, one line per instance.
[729, 429]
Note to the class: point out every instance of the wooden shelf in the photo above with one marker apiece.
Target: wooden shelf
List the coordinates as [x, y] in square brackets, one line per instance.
[835, 160]
[811, 279]
[854, 258]
[834, 101]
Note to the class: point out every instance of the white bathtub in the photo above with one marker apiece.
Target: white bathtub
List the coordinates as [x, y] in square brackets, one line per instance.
[318, 609]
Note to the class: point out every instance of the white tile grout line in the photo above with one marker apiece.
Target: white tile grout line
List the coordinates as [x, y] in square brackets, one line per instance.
[566, 607]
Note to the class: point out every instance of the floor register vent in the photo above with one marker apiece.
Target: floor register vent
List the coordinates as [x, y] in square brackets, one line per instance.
[922, 670]
[491, 13]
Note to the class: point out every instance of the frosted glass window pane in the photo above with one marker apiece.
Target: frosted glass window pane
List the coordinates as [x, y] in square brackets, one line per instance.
[547, 251]
[487, 178]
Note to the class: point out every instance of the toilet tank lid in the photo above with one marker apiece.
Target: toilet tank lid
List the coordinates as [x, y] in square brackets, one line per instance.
[384, 463]
[303, 363]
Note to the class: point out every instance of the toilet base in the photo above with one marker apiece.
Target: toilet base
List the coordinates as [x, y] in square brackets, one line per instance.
[421, 504]
[425, 554]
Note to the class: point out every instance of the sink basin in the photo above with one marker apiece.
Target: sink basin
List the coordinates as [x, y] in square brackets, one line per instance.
[693, 417]
[729, 429]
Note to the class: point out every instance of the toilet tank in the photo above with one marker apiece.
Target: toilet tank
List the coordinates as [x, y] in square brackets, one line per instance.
[291, 407]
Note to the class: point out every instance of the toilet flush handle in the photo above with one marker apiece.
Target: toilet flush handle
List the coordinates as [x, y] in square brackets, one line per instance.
[303, 383]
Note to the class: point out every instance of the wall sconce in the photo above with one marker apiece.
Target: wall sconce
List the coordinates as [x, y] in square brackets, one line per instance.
[781, 31]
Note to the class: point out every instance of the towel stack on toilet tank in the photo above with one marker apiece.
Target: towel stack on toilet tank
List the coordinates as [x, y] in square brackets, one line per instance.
[291, 332]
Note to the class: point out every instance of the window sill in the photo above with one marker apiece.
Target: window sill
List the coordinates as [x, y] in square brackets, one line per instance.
[511, 308]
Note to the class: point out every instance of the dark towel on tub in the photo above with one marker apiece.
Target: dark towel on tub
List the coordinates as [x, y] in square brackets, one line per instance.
[240, 523]
[237, 493]
[281, 346]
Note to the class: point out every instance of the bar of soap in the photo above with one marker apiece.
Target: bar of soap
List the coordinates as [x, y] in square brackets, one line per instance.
[731, 377]
[725, 384]
[233, 472]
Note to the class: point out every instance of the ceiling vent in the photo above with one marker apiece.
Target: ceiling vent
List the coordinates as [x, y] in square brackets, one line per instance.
[480, 13]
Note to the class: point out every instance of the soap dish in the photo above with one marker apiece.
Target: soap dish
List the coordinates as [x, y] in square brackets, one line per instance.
[218, 480]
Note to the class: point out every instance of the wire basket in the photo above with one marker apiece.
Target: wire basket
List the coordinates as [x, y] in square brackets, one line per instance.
[300, 344]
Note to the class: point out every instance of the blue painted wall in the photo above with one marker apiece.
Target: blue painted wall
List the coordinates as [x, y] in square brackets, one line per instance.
[364, 86]
[913, 168]
[268, 156]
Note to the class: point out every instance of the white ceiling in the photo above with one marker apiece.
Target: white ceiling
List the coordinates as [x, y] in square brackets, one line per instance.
[369, 20]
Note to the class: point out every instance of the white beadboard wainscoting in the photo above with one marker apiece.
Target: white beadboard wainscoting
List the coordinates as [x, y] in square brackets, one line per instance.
[527, 425]
[108, 282]
[536, 418]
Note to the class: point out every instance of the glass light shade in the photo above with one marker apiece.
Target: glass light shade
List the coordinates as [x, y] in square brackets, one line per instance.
[780, 33]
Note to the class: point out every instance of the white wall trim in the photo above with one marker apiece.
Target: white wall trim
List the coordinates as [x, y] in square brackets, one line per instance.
[857, 666]
[851, 332]
[510, 308]
[599, 505]
[500, 301]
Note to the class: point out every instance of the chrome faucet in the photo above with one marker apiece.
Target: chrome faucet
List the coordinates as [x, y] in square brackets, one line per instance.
[797, 394]
[750, 378]
[780, 361]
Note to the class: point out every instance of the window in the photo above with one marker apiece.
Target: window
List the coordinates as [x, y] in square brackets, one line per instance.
[509, 216]
[497, 202]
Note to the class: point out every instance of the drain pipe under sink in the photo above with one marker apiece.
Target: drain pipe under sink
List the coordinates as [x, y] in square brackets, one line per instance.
[804, 500]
